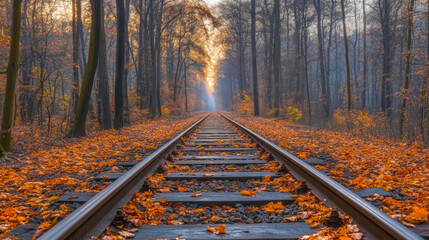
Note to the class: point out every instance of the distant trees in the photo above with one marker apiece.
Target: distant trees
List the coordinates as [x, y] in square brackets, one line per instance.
[12, 71]
[64, 46]
[360, 75]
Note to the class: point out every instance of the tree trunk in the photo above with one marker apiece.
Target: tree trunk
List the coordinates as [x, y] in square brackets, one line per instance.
[346, 50]
[306, 68]
[103, 79]
[26, 104]
[277, 49]
[12, 72]
[78, 129]
[385, 84]
[255, 67]
[151, 33]
[325, 101]
[365, 58]
[269, 67]
[158, 58]
[141, 92]
[118, 121]
[127, 120]
[407, 67]
[75, 85]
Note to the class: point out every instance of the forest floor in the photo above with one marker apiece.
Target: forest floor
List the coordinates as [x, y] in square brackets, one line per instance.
[397, 167]
[42, 169]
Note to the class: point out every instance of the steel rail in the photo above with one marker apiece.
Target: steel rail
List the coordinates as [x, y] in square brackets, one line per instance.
[375, 222]
[92, 218]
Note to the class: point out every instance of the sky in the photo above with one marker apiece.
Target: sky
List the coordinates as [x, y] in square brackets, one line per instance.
[212, 1]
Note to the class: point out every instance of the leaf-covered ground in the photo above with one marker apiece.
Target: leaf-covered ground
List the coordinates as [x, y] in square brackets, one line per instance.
[400, 168]
[30, 184]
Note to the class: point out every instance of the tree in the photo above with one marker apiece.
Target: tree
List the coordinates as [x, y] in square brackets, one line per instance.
[118, 121]
[75, 64]
[325, 100]
[78, 129]
[385, 8]
[365, 58]
[11, 72]
[104, 111]
[346, 50]
[407, 68]
[255, 67]
[277, 69]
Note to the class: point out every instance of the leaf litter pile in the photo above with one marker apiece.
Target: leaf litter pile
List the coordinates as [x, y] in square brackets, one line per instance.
[144, 210]
[400, 168]
[31, 184]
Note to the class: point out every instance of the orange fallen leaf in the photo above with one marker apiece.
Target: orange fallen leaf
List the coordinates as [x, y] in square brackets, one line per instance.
[419, 215]
[266, 178]
[247, 193]
[215, 218]
[199, 210]
[219, 187]
[217, 230]
[208, 174]
[292, 218]
[314, 225]
[274, 207]
[181, 189]
[251, 209]
[73, 197]
[303, 155]
[196, 194]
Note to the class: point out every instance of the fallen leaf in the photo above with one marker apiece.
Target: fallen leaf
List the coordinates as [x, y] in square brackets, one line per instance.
[274, 207]
[247, 193]
[196, 194]
[217, 230]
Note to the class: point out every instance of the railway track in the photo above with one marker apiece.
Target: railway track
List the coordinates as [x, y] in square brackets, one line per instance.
[218, 176]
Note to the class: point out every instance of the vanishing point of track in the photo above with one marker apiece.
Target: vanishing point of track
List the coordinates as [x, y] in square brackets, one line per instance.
[225, 143]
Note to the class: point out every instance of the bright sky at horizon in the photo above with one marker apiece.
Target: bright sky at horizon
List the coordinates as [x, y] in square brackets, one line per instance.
[211, 2]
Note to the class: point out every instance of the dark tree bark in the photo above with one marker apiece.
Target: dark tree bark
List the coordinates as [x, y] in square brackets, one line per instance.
[365, 58]
[255, 67]
[325, 100]
[75, 64]
[11, 72]
[141, 91]
[158, 58]
[127, 120]
[385, 7]
[407, 66]
[151, 33]
[346, 50]
[26, 103]
[103, 80]
[276, 54]
[269, 56]
[118, 121]
[78, 129]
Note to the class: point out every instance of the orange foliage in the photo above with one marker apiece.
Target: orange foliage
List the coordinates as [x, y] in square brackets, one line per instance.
[29, 183]
[274, 207]
[247, 193]
[217, 230]
[371, 162]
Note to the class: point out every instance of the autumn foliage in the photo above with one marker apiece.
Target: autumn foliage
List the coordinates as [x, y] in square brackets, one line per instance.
[31, 184]
[360, 163]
